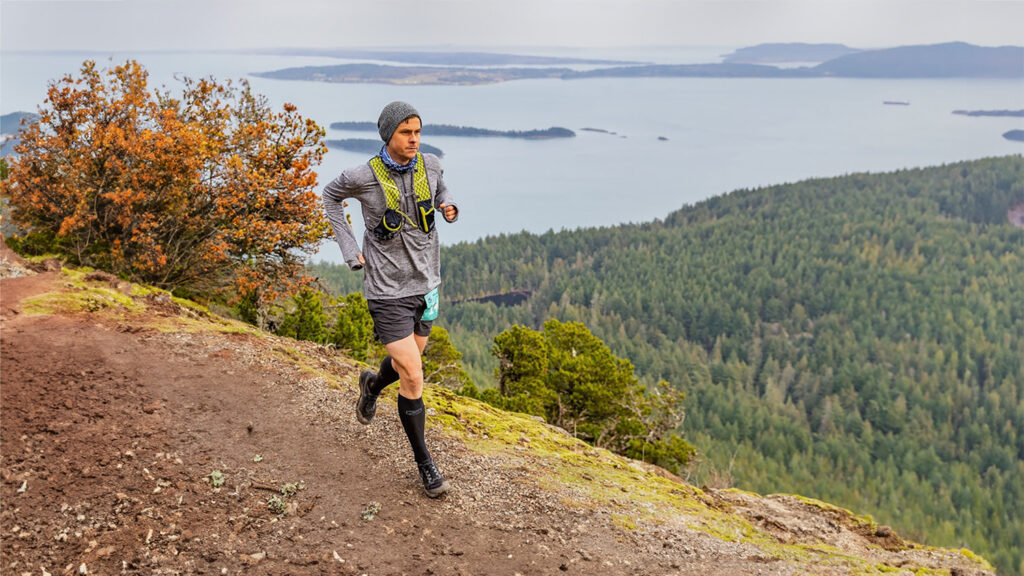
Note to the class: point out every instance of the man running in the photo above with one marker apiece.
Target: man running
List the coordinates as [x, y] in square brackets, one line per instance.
[399, 190]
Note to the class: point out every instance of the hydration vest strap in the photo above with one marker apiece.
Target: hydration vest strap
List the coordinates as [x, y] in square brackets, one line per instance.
[392, 195]
[391, 192]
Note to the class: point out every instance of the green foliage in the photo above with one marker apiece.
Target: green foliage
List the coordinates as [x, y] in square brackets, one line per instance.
[567, 375]
[290, 489]
[318, 317]
[338, 279]
[351, 330]
[306, 319]
[442, 363]
[248, 308]
[522, 354]
[857, 339]
[6, 229]
[353, 327]
[277, 505]
[32, 243]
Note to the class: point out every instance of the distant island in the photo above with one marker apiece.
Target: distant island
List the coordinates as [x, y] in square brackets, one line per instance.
[440, 58]
[411, 75]
[598, 130]
[458, 76]
[1012, 113]
[10, 125]
[787, 52]
[466, 131]
[367, 146]
[1015, 135]
[950, 60]
[726, 70]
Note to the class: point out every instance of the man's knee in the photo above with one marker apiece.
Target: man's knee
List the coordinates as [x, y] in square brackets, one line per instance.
[409, 369]
[405, 356]
[410, 383]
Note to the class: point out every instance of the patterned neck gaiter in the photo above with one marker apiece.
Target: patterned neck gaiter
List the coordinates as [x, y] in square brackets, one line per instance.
[390, 163]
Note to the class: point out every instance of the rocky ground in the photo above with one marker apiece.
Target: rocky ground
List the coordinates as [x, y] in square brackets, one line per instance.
[131, 448]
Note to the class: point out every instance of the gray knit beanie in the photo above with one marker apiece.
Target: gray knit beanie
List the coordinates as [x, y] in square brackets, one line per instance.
[391, 116]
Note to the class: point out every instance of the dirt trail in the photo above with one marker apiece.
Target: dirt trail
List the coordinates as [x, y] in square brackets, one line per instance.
[111, 430]
[109, 435]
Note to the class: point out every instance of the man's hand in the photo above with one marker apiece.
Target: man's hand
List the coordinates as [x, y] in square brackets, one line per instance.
[361, 261]
[449, 212]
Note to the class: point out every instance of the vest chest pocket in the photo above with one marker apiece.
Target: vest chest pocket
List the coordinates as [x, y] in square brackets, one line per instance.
[426, 213]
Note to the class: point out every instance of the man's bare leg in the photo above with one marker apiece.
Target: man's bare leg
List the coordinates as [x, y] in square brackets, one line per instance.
[372, 384]
[407, 358]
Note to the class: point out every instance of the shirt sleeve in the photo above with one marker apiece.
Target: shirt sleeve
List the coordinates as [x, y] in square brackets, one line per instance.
[443, 196]
[334, 196]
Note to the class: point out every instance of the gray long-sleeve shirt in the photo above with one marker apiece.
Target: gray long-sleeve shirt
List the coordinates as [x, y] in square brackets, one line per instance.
[408, 264]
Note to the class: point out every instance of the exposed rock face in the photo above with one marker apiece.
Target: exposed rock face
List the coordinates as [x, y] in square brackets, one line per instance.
[1016, 216]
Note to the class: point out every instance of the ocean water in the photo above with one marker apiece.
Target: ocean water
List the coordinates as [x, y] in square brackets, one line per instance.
[719, 134]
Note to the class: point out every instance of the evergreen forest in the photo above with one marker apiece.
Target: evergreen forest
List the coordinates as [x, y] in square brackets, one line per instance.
[857, 339]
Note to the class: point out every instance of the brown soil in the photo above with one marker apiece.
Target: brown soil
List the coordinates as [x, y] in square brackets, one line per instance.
[110, 432]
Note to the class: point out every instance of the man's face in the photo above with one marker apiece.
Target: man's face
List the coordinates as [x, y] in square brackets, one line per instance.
[405, 142]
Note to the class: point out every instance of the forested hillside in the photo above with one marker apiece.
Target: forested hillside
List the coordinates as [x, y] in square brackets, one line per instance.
[857, 339]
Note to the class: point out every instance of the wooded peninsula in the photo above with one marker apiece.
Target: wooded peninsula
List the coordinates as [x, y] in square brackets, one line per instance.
[368, 146]
[1001, 113]
[950, 60]
[466, 131]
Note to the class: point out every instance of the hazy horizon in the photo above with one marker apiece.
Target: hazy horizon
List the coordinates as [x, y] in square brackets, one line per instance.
[173, 25]
[461, 48]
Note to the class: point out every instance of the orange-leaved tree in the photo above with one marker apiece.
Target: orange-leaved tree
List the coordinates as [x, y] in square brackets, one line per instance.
[210, 190]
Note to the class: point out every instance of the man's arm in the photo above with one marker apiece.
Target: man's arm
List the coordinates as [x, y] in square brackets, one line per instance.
[444, 202]
[334, 196]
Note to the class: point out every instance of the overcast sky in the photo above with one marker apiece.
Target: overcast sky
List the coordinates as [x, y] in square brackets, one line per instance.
[226, 24]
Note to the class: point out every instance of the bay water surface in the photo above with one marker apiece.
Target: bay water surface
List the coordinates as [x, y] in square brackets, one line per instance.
[668, 141]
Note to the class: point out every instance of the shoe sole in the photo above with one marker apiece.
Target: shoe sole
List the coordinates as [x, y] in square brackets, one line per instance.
[364, 378]
[439, 491]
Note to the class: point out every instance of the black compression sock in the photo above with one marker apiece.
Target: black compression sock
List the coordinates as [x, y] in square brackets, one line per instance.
[414, 418]
[386, 376]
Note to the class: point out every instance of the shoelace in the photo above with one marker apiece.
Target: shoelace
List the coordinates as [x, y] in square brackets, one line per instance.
[430, 473]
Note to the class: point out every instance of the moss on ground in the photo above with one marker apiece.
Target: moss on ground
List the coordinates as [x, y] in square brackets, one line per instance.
[591, 478]
[981, 562]
[853, 521]
[82, 296]
[130, 302]
[623, 521]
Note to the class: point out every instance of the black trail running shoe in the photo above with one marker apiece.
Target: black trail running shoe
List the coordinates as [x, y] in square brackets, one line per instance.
[433, 482]
[366, 406]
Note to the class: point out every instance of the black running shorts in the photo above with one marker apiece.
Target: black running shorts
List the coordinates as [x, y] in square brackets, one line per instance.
[397, 318]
